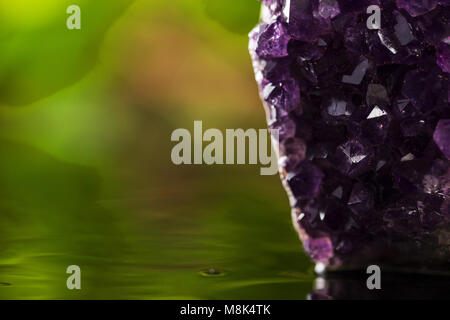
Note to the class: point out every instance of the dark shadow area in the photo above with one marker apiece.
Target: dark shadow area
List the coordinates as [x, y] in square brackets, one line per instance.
[394, 286]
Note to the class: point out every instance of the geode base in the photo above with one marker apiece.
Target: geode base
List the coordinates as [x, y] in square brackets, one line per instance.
[364, 124]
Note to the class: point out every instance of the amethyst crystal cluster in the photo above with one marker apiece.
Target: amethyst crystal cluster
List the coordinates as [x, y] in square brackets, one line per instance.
[364, 122]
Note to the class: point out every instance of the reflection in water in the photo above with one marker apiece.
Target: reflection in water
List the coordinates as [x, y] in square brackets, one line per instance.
[393, 286]
[180, 240]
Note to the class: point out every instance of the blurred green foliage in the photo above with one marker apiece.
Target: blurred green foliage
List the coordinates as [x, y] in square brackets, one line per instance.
[236, 18]
[38, 55]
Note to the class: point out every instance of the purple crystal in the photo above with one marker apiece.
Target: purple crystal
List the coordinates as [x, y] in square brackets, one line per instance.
[273, 41]
[326, 9]
[364, 122]
[305, 181]
[320, 249]
[403, 31]
[358, 73]
[417, 7]
[442, 137]
[302, 24]
[352, 158]
[443, 57]
[293, 152]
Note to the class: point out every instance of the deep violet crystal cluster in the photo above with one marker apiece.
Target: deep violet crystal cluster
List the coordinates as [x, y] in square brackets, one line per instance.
[364, 123]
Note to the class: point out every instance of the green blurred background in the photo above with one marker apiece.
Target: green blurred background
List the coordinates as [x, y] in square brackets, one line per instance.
[85, 170]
